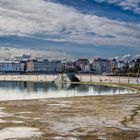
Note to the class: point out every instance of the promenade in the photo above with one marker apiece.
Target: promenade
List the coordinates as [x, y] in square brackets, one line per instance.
[81, 77]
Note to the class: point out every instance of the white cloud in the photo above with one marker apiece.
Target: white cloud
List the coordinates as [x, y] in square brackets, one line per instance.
[133, 5]
[127, 57]
[57, 22]
[9, 53]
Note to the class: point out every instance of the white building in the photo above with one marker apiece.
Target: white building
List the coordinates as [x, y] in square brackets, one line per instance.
[83, 65]
[55, 66]
[122, 64]
[59, 67]
[132, 64]
[37, 66]
[69, 66]
[101, 66]
[10, 66]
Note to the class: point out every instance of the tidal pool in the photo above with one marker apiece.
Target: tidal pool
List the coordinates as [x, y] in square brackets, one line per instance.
[19, 132]
[10, 90]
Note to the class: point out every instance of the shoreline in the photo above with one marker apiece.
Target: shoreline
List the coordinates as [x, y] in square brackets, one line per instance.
[74, 97]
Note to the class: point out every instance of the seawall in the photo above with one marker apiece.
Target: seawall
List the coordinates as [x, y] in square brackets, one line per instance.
[82, 78]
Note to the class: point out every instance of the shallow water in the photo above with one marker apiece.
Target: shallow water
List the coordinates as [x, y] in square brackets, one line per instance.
[37, 90]
[19, 132]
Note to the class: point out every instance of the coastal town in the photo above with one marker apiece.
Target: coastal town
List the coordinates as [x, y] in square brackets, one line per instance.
[99, 66]
[69, 69]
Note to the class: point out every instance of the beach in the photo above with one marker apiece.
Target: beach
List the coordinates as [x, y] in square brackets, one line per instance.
[114, 117]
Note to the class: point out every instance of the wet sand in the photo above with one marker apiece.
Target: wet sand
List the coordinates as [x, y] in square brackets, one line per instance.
[115, 117]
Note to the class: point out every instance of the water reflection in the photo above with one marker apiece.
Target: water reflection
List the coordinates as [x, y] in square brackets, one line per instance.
[34, 90]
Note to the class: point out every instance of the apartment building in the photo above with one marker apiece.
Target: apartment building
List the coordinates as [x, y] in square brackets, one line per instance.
[10, 66]
[37, 66]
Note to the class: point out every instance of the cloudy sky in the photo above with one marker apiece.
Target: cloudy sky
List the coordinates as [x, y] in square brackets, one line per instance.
[73, 27]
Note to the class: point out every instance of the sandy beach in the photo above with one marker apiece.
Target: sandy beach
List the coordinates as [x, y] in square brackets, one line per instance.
[115, 117]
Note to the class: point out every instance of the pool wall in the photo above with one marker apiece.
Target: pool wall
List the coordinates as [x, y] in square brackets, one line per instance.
[81, 77]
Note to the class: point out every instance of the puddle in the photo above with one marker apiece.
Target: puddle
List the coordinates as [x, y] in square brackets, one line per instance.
[30, 118]
[2, 121]
[70, 124]
[60, 105]
[24, 113]
[62, 138]
[138, 138]
[3, 114]
[16, 121]
[2, 108]
[76, 125]
[7, 121]
[24, 117]
[19, 132]
[66, 102]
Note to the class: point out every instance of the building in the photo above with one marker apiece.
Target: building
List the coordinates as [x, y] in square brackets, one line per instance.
[83, 65]
[11, 66]
[59, 67]
[101, 66]
[122, 64]
[55, 66]
[136, 68]
[132, 64]
[114, 65]
[69, 66]
[37, 66]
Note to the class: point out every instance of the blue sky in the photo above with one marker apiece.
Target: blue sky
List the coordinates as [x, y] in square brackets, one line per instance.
[85, 28]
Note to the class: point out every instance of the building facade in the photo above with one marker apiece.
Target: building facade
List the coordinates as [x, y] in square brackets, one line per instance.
[37, 66]
[83, 65]
[55, 66]
[122, 64]
[69, 66]
[101, 66]
[9, 66]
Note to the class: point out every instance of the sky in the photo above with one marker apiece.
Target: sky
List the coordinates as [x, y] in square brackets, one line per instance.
[80, 28]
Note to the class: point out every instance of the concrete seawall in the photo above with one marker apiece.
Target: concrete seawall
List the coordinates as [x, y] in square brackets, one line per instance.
[109, 79]
[36, 77]
[82, 78]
